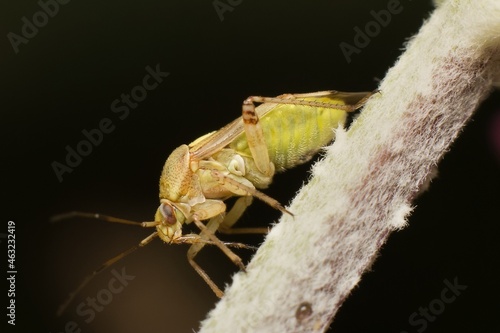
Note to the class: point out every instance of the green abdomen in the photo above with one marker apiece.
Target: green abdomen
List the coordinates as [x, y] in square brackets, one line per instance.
[294, 133]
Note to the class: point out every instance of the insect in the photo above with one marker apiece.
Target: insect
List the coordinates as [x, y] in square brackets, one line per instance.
[238, 160]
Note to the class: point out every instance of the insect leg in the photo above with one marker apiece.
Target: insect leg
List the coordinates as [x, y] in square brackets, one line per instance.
[211, 227]
[292, 99]
[358, 99]
[208, 232]
[230, 254]
[255, 138]
[353, 100]
[363, 101]
[239, 188]
[105, 265]
[234, 215]
[219, 293]
[207, 236]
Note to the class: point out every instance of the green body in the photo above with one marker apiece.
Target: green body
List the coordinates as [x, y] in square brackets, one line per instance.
[295, 133]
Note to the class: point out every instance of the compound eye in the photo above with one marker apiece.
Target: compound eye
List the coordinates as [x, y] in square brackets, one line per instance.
[168, 213]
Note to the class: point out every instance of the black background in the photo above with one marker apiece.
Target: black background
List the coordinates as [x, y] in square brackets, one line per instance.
[66, 77]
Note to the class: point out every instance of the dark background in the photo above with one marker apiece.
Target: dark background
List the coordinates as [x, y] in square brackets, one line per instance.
[66, 77]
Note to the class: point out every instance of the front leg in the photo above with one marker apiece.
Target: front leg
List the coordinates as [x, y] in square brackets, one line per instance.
[215, 211]
[206, 210]
[211, 227]
[234, 215]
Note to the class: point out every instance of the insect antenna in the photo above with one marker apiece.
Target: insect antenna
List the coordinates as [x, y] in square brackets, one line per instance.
[105, 218]
[184, 239]
[105, 265]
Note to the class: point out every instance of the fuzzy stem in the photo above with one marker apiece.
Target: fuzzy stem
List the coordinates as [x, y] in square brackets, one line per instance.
[363, 189]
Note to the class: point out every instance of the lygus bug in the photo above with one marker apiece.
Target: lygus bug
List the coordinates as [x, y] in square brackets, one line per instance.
[237, 160]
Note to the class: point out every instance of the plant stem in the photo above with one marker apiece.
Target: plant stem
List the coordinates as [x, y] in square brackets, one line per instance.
[364, 187]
